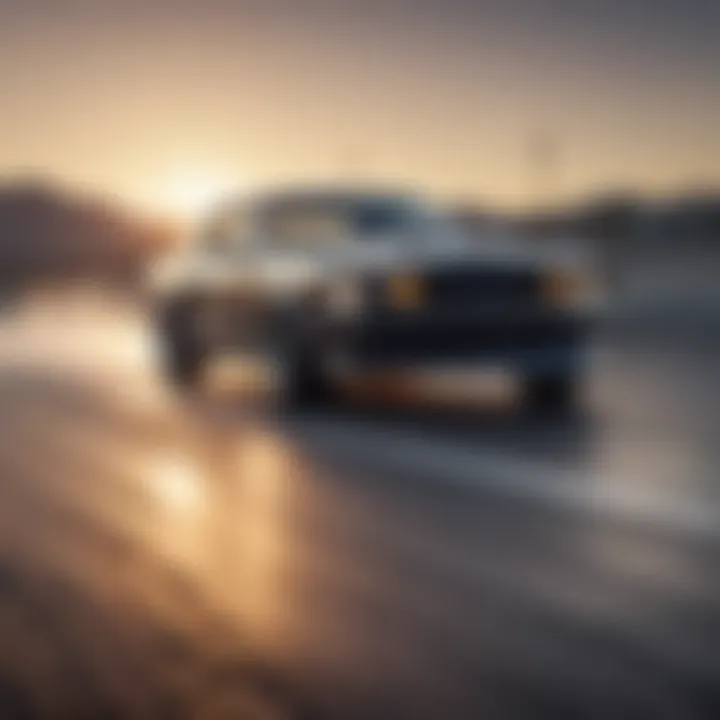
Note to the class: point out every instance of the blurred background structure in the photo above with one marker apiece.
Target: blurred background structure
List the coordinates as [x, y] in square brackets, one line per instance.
[650, 251]
[596, 120]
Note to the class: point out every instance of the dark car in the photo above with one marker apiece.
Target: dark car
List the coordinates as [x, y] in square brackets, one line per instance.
[329, 283]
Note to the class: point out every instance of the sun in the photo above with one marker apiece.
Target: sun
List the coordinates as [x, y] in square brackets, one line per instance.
[190, 197]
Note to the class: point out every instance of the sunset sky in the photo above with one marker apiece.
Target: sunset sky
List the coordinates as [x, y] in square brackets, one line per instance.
[168, 103]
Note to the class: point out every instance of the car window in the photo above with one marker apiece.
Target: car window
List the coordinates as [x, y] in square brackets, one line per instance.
[226, 233]
[317, 223]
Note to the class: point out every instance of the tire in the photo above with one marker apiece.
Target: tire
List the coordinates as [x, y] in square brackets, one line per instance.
[182, 355]
[183, 365]
[301, 380]
[556, 393]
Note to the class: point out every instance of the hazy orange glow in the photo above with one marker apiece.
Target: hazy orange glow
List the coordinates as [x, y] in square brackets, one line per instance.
[190, 195]
[169, 105]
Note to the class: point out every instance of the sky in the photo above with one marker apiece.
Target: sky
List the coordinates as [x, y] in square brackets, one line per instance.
[167, 103]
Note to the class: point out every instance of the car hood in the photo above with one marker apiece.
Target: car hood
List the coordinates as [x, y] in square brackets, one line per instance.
[410, 254]
[347, 258]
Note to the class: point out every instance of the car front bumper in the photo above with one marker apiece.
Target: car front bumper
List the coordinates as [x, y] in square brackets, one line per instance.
[544, 342]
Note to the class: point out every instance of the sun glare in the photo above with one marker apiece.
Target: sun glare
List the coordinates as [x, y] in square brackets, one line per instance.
[190, 197]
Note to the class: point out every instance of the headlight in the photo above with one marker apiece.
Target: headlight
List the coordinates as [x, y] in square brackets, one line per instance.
[406, 292]
[569, 288]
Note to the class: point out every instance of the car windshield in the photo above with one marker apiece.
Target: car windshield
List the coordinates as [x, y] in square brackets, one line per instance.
[226, 231]
[326, 221]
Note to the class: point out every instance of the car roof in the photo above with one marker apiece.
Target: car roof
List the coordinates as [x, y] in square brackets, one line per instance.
[263, 202]
[322, 194]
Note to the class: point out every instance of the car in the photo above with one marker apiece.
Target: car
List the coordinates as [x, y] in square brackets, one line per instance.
[332, 282]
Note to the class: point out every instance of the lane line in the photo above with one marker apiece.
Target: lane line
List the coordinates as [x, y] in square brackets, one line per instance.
[448, 463]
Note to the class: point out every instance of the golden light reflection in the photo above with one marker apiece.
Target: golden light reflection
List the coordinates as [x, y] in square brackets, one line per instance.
[264, 464]
[264, 477]
[177, 485]
[179, 523]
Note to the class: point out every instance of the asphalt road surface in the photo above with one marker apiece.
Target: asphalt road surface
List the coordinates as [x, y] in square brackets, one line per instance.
[199, 557]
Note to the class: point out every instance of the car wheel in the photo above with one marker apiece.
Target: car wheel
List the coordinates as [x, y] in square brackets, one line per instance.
[182, 355]
[301, 380]
[550, 393]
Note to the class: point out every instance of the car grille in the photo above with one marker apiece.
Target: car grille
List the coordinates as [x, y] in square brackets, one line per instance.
[486, 286]
[463, 287]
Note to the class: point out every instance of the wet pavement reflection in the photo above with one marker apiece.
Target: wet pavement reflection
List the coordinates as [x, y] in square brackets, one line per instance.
[390, 558]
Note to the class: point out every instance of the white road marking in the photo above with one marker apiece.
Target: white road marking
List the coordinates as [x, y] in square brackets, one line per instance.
[452, 463]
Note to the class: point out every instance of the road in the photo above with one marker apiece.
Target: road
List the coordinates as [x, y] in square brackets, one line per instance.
[199, 557]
